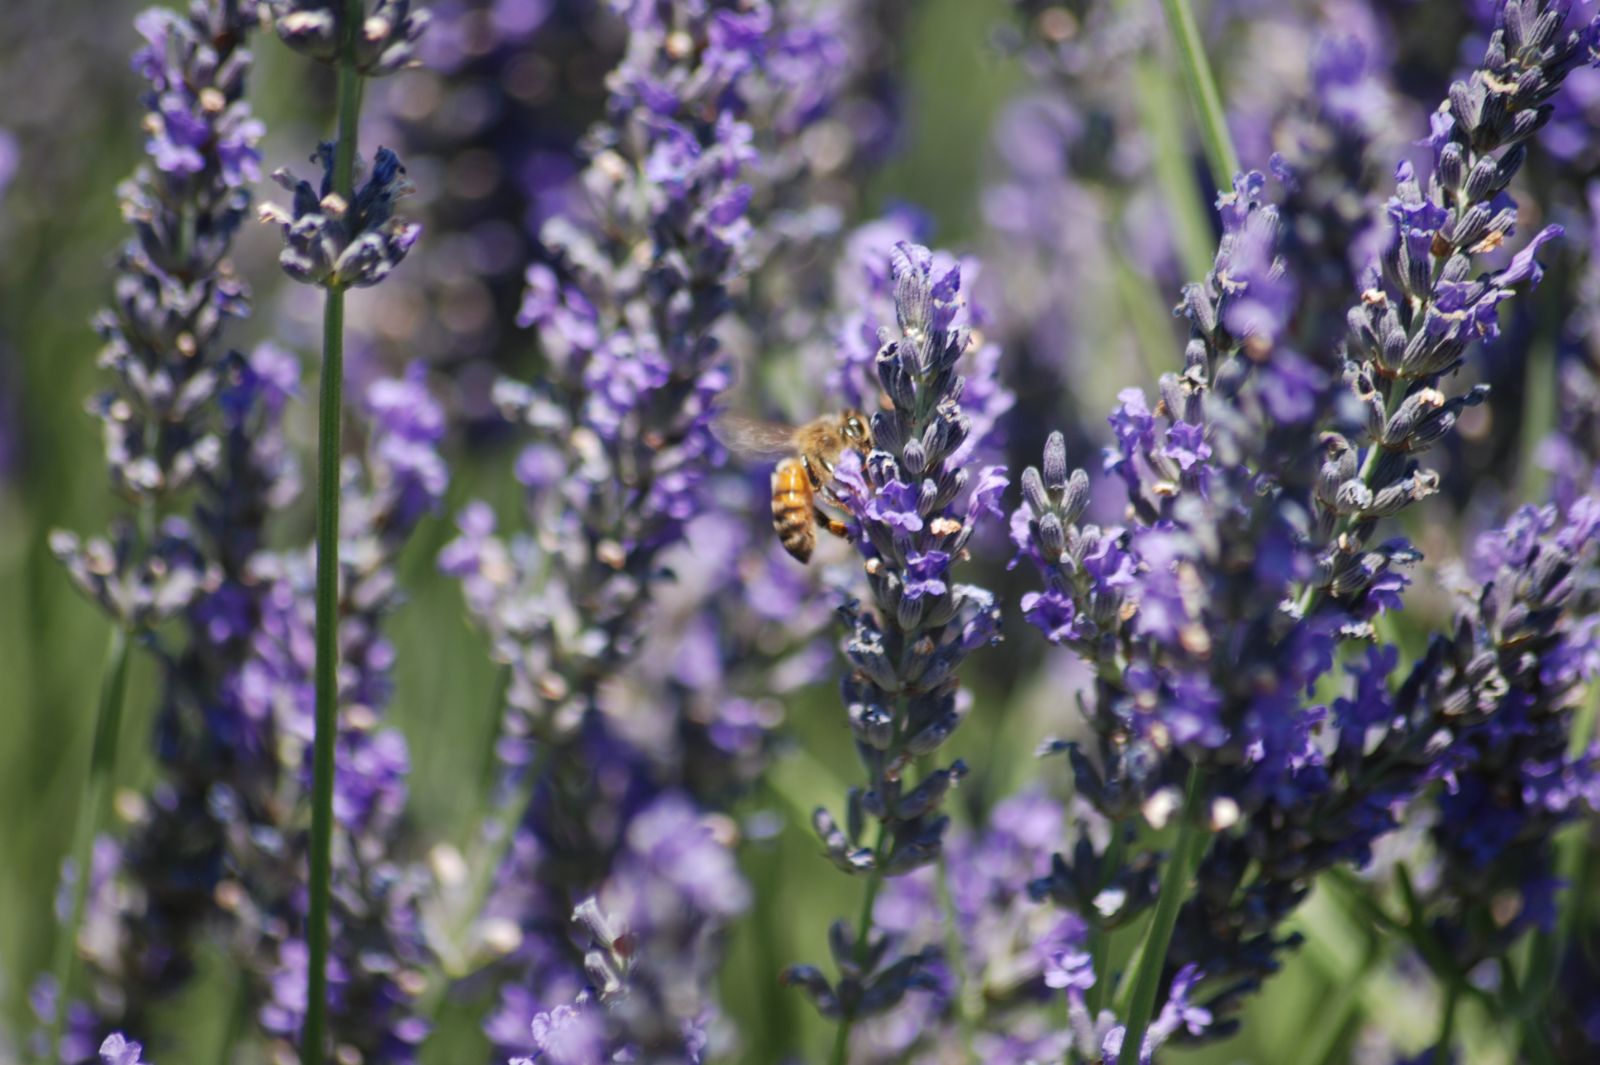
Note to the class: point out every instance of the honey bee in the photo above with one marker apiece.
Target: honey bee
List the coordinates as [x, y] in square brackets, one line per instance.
[802, 482]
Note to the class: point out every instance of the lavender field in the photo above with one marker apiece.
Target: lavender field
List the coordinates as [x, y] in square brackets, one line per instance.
[856, 532]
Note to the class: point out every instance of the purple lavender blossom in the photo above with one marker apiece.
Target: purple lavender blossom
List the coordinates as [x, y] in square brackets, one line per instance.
[338, 245]
[1222, 623]
[915, 505]
[617, 468]
[170, 419]
[385, 40]
[1532, 639]
[117, 1050]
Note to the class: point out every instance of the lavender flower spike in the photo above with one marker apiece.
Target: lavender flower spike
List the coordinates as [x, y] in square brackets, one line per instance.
[383, 43]
[914, 507]
[338, 245]
[1421, 308]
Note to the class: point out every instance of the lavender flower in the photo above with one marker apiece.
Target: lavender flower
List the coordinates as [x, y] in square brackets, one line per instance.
[653, 931]
[117, 1050]
[338, 245]
[174, 293]
[625, 307]
[1530, 640]
[915, 506]
[384, 42]
[1205, 650]
[1421, 308]
[167, 421]
[504, 93]
[379, 950]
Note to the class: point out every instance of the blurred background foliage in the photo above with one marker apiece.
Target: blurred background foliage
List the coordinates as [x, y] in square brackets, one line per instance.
[67, 97]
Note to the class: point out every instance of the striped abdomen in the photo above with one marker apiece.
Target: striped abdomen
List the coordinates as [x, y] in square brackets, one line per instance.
[793, 513]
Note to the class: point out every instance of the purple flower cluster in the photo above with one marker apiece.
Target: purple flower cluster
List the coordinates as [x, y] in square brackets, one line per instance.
[384, 41]
[1421, 307]
[915, 502]
[170, 422]
[174, 293]
[625, 305]
[338, 245]
[219, 842]
[1212, 619]
[379, 949]
[652, 955]
[1526, 643]
[504, 93]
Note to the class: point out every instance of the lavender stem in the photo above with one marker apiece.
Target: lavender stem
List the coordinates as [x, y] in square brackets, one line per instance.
[327, 627]
[841, 1041]
[1220, 154]
[1187, 850]
[91, 813]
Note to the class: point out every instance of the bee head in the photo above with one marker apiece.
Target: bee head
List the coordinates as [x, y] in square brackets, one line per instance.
[853, 424]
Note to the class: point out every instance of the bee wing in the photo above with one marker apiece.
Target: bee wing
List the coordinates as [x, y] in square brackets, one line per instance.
[752, 438]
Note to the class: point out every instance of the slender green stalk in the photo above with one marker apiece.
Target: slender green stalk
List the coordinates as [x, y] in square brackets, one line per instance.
[1160, 107]
[1221, 156]
[1099, 935]
[1186, 852]
[91, 815]
[1447, 1024]
[841, 1040]
[1538, 414]
[329, 416]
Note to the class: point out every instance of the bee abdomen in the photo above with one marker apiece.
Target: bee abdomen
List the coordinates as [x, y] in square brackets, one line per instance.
[792, 509]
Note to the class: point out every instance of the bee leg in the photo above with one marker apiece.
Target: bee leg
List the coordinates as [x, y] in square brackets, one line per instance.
[832, 524]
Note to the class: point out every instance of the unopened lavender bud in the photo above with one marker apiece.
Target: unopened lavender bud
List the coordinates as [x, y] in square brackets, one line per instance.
[1033, 492]
[1451, 165]
[914, 457]
[1055, 461]
[1075, 499]
[828, 831]
[872, 724]
[1472, 226]
[926, 796]
[1417, 405]
[868, 656]
[1544, 30]
[1352, 497]
[1197, 306]
[909, 613]
[932, 737]
[1052, 537]
[859, 803]
[895, 379]
[1528, 122]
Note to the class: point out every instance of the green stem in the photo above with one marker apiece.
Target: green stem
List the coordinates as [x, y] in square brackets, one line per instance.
[1160, 108]
[91, 814]
[1220, 154]
[1186, 850]
[1099, 934]
[1538, 414]
[1447, 1025]
[312, 1046]
[841, 1040]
